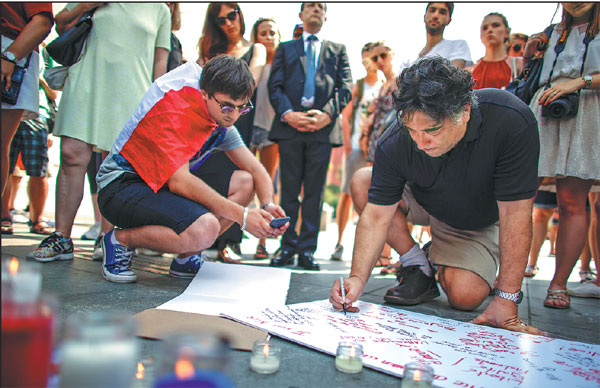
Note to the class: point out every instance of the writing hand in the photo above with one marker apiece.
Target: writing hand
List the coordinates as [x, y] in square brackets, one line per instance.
[503, 314]
[354, 289]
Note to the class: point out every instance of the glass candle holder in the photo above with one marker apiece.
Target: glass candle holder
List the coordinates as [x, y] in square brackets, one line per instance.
[98, 350]
[193, 360]
[28, 322]
[349, 357]
[417, 375]
[265, 357]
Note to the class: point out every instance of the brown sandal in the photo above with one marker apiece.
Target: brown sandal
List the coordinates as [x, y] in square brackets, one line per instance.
[383, 261]
[224, 256]
[561, 295]
[7, 225]
[41, 227]
[261, 252]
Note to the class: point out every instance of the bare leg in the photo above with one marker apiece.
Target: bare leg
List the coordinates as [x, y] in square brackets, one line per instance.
[269, 157]
[453, 282]
[15, 183]
[553, 233]
[10, 122]
[594, 236]
[571, 193]
[343, 213]
[38, 192]
[540, 231]
[7, 199]
[74, 158]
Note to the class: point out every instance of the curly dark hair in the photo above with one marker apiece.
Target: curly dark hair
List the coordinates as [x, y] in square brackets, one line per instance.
[434, 87]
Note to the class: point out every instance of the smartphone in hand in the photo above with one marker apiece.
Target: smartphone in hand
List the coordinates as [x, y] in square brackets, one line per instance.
[279, 222]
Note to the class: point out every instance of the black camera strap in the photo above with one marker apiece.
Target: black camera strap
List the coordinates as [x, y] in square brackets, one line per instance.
[560, 46]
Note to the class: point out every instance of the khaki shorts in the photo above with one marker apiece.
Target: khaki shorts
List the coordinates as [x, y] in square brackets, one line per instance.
[474, 250]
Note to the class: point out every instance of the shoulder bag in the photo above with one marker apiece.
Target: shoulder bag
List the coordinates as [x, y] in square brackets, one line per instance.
[67, 48]
[11, 95]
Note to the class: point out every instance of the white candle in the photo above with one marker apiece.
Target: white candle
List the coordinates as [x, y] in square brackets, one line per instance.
[264, 358]
[348, 364]
[24, 281]
[98, 364]
[417, 375]
[348, 357]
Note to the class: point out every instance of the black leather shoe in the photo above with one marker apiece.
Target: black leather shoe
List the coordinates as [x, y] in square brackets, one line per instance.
[413, 287]
[286, 257]
[307, 261]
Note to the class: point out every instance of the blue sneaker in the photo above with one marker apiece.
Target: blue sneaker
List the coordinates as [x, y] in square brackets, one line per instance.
[116, 260]
[188, 269]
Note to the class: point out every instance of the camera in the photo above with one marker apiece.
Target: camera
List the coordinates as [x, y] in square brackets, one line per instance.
[563, 107]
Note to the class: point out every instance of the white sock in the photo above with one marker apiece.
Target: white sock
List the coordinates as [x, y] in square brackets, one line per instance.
[182, 260]
[114, 240]
[416, 256]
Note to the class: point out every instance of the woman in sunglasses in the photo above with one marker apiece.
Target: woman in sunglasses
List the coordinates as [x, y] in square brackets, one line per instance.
[496, 69]
[223, 32]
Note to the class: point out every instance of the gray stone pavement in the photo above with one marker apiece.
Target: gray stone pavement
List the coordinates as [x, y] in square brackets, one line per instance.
[79, 286]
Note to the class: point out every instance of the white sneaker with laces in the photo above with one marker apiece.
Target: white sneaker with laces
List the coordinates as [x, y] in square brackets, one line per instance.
[586, 290]
[92, 233]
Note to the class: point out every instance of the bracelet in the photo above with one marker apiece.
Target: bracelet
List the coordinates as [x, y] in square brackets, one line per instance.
[267, 205]
[243, 227]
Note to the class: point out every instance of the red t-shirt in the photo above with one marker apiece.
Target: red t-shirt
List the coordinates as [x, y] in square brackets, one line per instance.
[15, 16]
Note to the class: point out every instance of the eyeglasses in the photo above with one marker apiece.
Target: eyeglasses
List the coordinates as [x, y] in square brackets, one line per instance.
[231, 16]
[382, 56]
[228, 108]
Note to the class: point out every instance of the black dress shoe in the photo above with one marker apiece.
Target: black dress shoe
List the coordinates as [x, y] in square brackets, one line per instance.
[307, 261]
[413, 287]
[286, 257]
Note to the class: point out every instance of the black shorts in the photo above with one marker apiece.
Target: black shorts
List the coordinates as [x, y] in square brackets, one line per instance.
[545, 200]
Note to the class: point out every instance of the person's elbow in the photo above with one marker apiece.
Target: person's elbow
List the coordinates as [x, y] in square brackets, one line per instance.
[44, 23]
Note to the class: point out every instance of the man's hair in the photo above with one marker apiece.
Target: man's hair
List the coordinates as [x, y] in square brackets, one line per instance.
[302, 5]
[450, 6]
[518, 35]
[227, 75]
[434, 87]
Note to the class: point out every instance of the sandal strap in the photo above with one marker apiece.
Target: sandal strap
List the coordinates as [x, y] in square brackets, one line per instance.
[558, 294]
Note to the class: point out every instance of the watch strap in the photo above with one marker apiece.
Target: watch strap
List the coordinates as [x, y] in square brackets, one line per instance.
[515, 297]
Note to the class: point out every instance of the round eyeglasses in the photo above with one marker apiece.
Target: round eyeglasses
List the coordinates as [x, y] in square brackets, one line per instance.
[228, 108]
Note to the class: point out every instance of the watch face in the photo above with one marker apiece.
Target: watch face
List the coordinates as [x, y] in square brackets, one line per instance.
[10, 56]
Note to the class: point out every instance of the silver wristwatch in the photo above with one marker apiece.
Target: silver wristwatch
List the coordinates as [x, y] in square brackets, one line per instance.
[266, 205]
[11, 57]
[588, 81]
[516, 297]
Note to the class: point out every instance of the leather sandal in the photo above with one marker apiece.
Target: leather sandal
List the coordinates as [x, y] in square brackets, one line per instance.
[531, 271]
[7, 225]
[261, 252]
[40, 227]
[560, 295]
[224, 256]
[383, 261]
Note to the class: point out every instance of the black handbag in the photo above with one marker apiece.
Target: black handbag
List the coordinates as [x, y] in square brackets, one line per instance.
[67, 48]
[526, 84]
[11, 95]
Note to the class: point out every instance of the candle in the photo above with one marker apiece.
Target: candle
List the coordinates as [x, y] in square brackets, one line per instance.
[264, 358]
[99, 350]
[417, 375]
[27, 326]
[349, 357]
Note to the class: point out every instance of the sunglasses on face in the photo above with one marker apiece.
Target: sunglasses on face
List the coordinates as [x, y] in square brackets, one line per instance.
[382, 56]
[231, 16]
[228, 108]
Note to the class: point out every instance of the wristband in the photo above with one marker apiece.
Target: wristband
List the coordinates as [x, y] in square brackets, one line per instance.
[243, 227]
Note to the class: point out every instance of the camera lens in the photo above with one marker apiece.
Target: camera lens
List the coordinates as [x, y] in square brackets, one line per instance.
[517, 48]
[558, 108]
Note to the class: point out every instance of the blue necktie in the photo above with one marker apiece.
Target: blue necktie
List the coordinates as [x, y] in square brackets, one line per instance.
[311, 71]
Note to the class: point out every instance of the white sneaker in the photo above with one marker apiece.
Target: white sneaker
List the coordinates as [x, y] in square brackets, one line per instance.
[92, 233]
[98, 253]
[147, 252]
[586, 290]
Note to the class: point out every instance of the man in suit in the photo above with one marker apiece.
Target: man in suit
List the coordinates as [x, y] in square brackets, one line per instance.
[310, 84]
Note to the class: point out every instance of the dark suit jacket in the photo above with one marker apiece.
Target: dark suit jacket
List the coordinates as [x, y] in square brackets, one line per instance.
[333, 87]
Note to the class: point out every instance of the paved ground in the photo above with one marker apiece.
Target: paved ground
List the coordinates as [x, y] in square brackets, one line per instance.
[80, 287]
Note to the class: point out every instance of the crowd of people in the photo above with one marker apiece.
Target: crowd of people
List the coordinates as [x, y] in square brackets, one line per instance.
[177, 158]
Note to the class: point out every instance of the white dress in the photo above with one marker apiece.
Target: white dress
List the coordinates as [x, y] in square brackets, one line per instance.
[571, 147]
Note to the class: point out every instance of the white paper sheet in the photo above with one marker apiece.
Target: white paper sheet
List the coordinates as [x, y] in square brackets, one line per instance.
[462, 354]
[219, 288]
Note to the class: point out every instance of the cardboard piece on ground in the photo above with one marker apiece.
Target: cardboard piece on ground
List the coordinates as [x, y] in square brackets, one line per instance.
[158, 324]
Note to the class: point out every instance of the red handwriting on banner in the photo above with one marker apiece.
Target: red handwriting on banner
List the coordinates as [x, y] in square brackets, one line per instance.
[355, 323]
[490, 341]
[498, 371]
[425, 356]
[590, 374]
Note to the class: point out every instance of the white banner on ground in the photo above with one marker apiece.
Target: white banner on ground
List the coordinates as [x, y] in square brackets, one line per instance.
[462, 354]
[219, 288]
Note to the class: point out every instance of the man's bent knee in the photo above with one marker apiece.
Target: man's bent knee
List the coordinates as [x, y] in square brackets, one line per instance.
[201, 234]
[242, 184]
[465, 290]
[359, 187]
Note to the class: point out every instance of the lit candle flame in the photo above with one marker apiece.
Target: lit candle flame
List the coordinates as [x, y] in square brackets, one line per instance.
[13, 266]
[417, 375]
[266, 350]
[184, 369]
[140, 371]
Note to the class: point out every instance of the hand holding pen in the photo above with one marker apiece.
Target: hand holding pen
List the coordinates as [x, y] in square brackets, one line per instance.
[352, 289]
